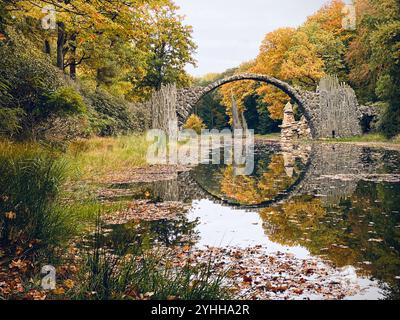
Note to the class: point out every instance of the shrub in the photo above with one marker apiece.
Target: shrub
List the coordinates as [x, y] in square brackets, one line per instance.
[26, 76]
[113, 116]
[63, 101]
[195, 122]
[389, 123]
[35, 95]
[26, 72]
[10, 121]
[59, 131]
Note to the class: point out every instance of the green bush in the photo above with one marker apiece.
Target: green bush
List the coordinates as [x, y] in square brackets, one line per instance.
[63, 101]
[114, 116]
[26, 76]
[26, 73]
[33, 93]
[10, 121]
[30, 180]
[389, 123]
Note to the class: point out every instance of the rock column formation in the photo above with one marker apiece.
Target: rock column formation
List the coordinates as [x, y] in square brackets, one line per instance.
[235, 116]
[163, 108]
[338, 112]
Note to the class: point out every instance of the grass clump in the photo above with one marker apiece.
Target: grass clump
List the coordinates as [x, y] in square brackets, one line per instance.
[30, 182]
[107, 274]
[396, 139]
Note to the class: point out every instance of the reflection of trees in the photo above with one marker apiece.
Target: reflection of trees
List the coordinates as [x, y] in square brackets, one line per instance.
[362, 230]
[144, 234]
[257, 189]
[289, 223]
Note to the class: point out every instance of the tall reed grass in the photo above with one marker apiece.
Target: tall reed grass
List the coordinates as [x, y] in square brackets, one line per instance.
[144, 274]
[30, 182]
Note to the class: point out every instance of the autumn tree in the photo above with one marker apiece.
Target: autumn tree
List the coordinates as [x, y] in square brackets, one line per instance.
[298, 56]
[128, 47]
[195, 123]
[170, 49]
[375, 60]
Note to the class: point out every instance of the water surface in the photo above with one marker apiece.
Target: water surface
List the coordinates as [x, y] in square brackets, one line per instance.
[340, 202]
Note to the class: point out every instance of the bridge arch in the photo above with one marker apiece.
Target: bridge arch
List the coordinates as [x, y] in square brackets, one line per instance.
[189, 97]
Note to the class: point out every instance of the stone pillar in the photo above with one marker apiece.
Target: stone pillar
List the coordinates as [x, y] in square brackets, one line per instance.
[289, 125]
[338, 109]
[244, 123]
[304, 131]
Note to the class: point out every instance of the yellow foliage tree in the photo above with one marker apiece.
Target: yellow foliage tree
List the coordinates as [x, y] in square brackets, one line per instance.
[195, 123]
[302, 66]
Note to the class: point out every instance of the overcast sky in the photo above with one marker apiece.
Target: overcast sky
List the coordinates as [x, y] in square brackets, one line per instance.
[229, 32]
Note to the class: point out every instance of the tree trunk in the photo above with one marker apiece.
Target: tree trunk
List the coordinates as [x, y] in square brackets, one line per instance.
[72, 70]
[47, 47]
[60, 45]
[72, 66]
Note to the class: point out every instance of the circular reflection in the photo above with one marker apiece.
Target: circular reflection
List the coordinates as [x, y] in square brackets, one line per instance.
[277, 170]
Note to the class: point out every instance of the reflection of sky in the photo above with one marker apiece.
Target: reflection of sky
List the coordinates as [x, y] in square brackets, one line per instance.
[223, 226]
[229, 32]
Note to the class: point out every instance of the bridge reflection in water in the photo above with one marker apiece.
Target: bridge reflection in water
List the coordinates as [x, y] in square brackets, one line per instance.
[282, 171]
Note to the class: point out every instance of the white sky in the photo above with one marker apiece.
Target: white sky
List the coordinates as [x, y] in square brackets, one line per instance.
[229, 32]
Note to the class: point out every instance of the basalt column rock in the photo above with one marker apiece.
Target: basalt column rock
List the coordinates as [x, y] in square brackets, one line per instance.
[235, 115]
[338, 114]
[163, 108]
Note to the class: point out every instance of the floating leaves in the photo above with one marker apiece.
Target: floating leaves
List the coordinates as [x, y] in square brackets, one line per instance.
[145, 174]
[147, 211]
[253, 273]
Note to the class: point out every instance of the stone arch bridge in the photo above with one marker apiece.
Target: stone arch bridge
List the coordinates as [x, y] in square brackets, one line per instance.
[331, 110]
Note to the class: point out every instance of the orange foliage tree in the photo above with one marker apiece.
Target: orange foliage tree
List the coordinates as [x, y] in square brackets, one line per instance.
[298, 56]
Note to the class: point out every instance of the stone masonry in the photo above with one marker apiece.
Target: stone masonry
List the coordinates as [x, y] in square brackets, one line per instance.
[292, 129]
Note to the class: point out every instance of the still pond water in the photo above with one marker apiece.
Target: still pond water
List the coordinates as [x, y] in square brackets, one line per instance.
[339, 202]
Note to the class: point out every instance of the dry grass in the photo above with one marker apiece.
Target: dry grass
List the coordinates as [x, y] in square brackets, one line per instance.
[98, 157]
